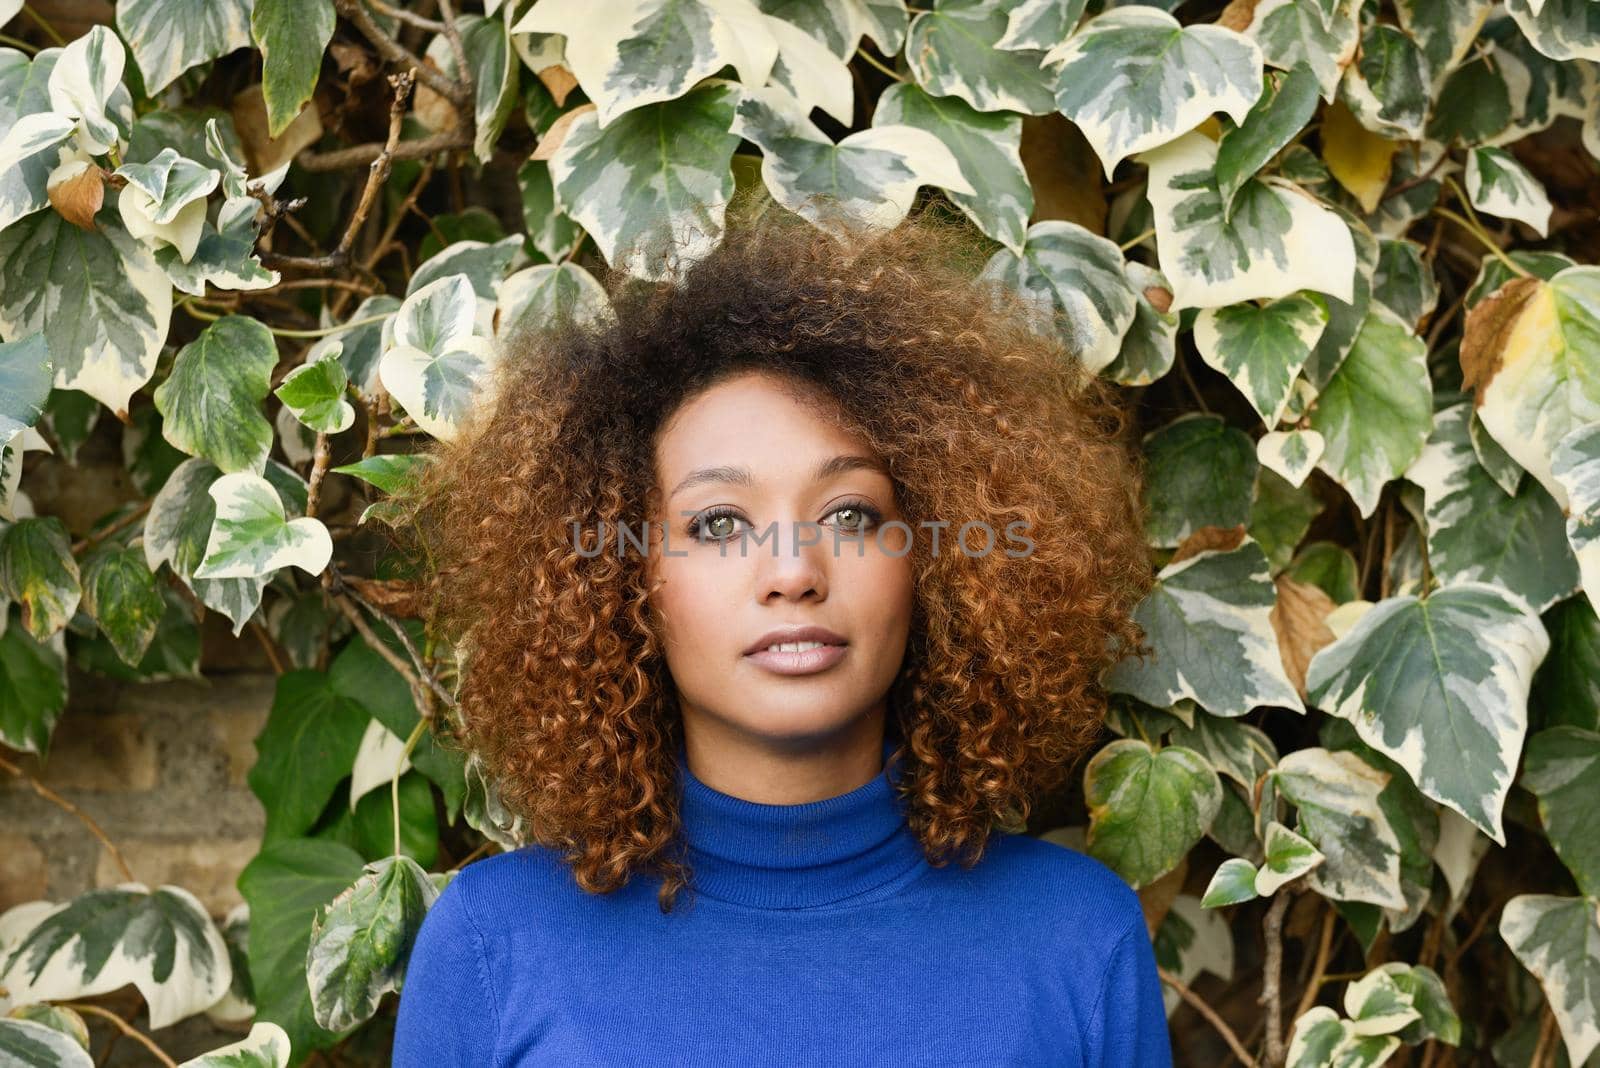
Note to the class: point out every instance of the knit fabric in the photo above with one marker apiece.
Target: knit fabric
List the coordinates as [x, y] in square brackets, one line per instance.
[816, 934]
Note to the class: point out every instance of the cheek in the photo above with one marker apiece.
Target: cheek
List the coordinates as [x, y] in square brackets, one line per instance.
[691, 603]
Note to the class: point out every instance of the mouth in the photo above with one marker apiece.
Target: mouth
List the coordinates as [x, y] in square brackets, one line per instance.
[797, 650]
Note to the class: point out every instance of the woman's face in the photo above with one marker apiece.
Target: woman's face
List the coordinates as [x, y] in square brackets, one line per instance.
[782, 497]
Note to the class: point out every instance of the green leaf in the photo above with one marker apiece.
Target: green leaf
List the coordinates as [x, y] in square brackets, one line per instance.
[1561, 29]
[1566, 689]
[1404, 282]
[1377, 410]
[1276, 241]
[1378, 1005]
[308, 745]
[284, 886]
[161, 941]
[1558, 940]
[1498, 185]
[1261, 348]
[1233, 882]
[1474, 104]
[167, 37]
[1479, 533]
[539, 297]
[176, 532]
[390, 472]
[292, 35]
[952, 52]
[98, 297]
[1293, 32]
[314, 392]
[1563, 770]
[251, 537]
[1387, 88]
[361, 941]
[211, 402]
[1330, 568]
[372, 822]
[1288, 856]
[1076, 283]
[1208, 622]
[33, 687]
[1147, 808]
[1336, 795]
[1151, 343]
[1200, 473]
[1441, 687]
[359, 347]
[27, 1044]
[1133, 78]
[1286, 105]
[987, 148]
[121, 594]
[37, 570]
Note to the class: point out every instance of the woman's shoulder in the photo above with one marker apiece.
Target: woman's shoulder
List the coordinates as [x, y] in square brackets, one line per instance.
[1062, 887]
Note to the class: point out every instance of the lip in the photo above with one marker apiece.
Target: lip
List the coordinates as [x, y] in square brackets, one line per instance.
[810, 633]
[804, 662]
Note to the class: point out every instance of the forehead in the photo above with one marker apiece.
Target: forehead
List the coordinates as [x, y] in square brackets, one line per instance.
[771, 425]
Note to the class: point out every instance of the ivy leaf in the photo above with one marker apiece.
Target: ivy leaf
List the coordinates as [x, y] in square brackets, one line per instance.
[1151, 343]
[361, 940]
[1235, 748]
[1562, 769]
[1277, 240]
[314, 392]
[437, 368]
[1208, 620]
[33, 687]
[1498, 185]
[1558, 940]
[167, 37]
[1387, 88]
[1233, 882]
[1445, 31]
[1286, 105]
[1376, 411]
[1147, 808]
[176, 531]
[1479, 533]
[1041, 24]
[539, 297]
[1288, 856]
[29, 1044]
[1561, 29]
[266, 1046]
[1291, 32]
[1261, 348]
[1336, 795]
[1473, 105]
[211, 401]
[1133, 78]
[1576, 465]
[494, 74]
[251, 537]
[1290, 454]
[1378, 1005]
[308, 745]
[952, 51]
[1201, 473]
[1404, 282]
[1441, 687]
[86, 84]
[121, 595]
[292, 35]
[39, 572]
[25, 92]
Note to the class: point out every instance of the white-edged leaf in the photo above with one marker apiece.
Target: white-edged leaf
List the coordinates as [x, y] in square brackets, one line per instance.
[1498, 185]
[1040, 24]
[1261, 348]
[251, 537]
[266, 1046]
[31, 135]
[30, 1044]
[86, 75]
[1561, 29]
[1288, 856]
[314, 392]
[361, 941]
[1576, 465]
[1558, 940]
[1378, 1005]
[545, 294]
[380, 760]
[1290, 453]
[211, 401]
[176, 531]
[952, 51]
[810, 71]
[170, 36]
[1336, 795]
[1151, 343]
[1290, 32]
[1233, 882]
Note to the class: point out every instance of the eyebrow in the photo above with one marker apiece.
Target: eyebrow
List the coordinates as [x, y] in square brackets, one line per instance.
[741, 476]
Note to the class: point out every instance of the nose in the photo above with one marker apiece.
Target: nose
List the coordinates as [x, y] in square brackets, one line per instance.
[793, 563]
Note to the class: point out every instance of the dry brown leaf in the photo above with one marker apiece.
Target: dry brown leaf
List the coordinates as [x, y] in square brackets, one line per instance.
[397, 596]
[1159, 298]
[557, 133]
[265, 153]
[1238, 15]
[1298, 620]
[1224, 539]
[559, 80]
[78, 195]
[1488, 328]
[433, 109]
[1156, 899]
[1064, 172]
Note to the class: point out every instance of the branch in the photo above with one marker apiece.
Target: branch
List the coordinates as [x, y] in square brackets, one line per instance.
[359, 155]
[94, 828]
[392, 50]
[1211, 1016]
[1314, 985]
[1272, 936]
[123, 1026]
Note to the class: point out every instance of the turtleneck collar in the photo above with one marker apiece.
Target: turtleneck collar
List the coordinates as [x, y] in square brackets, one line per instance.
[797, 856]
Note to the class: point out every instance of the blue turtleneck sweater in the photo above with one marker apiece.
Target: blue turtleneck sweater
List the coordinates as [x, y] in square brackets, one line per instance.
[816, 934]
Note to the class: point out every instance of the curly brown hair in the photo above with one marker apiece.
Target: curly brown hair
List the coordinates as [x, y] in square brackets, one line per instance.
[565, 695]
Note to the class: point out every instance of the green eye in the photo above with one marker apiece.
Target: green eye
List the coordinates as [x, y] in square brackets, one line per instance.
[719, 532]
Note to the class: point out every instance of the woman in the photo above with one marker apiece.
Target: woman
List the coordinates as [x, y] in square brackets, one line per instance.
[727, 635]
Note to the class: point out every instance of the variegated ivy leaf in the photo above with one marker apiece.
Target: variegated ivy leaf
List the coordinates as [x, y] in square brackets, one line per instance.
[1558, 940]
[1404, 282]
[652, 186]
[1498, 185]
[1288, 856]
[292, 35]
[1151, 343]
[1535, 381]
[25, 374]
[1040, 24]
[1555, 88]
[211, 402]
[1191, 940]
[1074, 279]
[1477, 100]
[39, 572]
[251, 537]
[494, 72]
[1147, 808]
[1378, 1005]
[170, 184]
[1236, 749]
[170, 36]
[1493, 272]
[1441, 687]
[872, 175]
[1445, 31]
[224, 254]
[379, 761]
[987, 148]
[1208, 620]
[885, 21]
[811, 73]
[97, 295]
[1322, 36]
[1576, 465]
[359, 342]
[1277, 240]
[236, 182]
[1233, 882]
[25, 91]
[266, 1046]
[630, 53]
[1290, 453]
[121, 594]
[1387, 88]
[31, 135]
[1321, 1038]
[1201, 472]
[86, 75]
[838, 24]
[161, 941]
[952, 52]
[361, 941]
[1286, 105]
[30, 1044]
[543, 295]
[484, 263]
[437, 368]
[314, 392]
[176, 530]
[1376, 410]
[1336, 795]
[1563, 770]
[1561, 29]
[1133, 78]
[1479, 533]
[484, 811]
[1261, 348]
